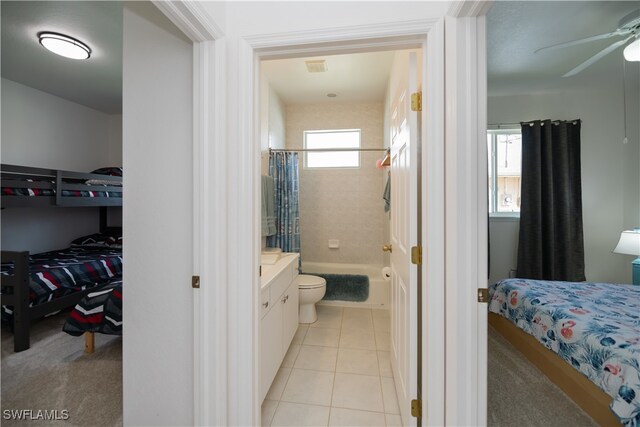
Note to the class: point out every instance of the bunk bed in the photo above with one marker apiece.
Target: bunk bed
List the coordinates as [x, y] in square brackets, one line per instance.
[41, 284]
[584, 336]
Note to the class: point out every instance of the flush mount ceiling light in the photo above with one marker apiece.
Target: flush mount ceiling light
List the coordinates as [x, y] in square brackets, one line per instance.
[632, 52]
[64, 45]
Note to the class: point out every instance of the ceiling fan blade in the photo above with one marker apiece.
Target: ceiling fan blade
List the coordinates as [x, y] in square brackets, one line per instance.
[604, 52]
[584, 40]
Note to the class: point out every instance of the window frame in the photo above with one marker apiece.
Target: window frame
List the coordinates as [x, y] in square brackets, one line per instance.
[492, 169]
[332, 131]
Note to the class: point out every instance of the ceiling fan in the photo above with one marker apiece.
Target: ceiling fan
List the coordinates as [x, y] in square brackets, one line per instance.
[628, 27]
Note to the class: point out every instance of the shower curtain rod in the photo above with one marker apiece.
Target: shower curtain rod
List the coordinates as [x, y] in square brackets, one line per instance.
[281, 150]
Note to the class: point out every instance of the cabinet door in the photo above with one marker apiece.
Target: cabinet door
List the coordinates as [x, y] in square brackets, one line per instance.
[270, 347]
[290, 315]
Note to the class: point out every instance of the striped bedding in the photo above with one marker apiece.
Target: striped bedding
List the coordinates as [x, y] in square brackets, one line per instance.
[99, 311]
[594, 327]
[59, 273]
[45, 192]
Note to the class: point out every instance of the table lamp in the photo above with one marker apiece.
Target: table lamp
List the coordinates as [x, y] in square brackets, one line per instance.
[629, 244]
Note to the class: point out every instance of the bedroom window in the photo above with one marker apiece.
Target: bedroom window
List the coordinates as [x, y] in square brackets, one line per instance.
[330, 139]
[505, 158]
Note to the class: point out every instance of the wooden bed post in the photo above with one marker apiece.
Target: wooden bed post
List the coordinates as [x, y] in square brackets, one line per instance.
[89, 342]
[21, 318]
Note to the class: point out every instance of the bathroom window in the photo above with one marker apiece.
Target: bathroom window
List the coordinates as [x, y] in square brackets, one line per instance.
[505, 161]
[332, 139]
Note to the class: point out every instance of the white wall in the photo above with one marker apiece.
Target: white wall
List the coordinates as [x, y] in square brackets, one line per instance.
[158, 337]
[42, 130]
[344, 204]
[272, 122]
[610, 177]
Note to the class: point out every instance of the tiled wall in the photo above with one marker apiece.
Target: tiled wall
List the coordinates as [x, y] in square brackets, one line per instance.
[343, 204]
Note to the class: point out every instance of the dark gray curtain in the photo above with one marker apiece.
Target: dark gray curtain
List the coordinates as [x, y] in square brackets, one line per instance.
[551, 245]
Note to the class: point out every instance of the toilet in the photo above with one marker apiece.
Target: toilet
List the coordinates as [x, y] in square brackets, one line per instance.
[311, 289]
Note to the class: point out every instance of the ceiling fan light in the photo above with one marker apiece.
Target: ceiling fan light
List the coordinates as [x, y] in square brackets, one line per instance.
[632, 52]
[64, 45]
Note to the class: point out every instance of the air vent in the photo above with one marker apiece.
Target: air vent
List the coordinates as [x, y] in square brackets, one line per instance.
[316, 66]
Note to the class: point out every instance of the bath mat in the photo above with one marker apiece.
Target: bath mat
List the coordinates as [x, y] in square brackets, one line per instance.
[345, 287]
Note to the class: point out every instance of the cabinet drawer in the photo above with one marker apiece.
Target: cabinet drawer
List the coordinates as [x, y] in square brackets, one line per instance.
[265, 304]
[280, 284]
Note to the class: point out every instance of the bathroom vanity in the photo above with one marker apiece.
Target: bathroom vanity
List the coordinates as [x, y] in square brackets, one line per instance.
[278, 315]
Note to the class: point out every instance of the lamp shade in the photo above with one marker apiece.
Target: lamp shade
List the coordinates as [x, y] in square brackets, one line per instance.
[632, 52]
[629, 243]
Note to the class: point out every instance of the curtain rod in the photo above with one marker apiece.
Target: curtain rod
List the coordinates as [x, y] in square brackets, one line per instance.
[281, 150]
[531, 123]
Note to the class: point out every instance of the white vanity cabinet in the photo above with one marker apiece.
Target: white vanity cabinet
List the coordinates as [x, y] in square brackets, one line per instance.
[279, 317]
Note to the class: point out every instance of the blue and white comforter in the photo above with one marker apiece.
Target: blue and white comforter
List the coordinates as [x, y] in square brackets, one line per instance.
[593, 326]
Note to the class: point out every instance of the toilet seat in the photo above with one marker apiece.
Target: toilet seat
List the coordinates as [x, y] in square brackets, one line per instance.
[307, 281]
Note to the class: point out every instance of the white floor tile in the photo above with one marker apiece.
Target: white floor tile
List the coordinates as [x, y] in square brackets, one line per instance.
[300, 334]
[357, 392]
[322, 337]
[357, 361]
[383, 341]
[328, 317]
[358, 323]
[352, 418]
[268, 409]
[357, 338]
[384, 363]
[385, 314]
[296, 414]
[313, 387]
[353, 313]
[279, 382]
[291, 356]
[389, 396]
[381, 324]
[393, 420]
[317, 358]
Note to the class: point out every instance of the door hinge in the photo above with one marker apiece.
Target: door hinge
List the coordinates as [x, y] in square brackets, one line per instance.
[416, 408]
[483, 295]
[416, 255]
[416, 101]
[195, 281]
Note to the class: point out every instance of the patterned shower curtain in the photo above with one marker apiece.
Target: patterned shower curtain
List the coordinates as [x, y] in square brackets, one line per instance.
[283, 167]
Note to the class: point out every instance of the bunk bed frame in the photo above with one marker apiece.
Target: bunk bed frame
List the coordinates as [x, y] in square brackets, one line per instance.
[15, 288]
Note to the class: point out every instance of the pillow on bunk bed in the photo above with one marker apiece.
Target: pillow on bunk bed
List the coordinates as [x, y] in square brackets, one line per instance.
[98, 240]
[111, 171]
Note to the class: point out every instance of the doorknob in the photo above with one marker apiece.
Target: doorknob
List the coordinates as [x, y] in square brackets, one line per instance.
[387, 248]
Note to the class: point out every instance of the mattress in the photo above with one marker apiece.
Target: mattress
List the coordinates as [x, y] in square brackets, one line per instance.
[594, 327]
[59, 273]
[99, 311]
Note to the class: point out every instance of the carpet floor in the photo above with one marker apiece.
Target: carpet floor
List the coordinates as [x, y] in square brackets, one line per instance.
[521, 395]
[56, 374]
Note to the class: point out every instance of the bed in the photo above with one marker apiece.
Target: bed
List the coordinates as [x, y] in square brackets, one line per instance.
[100, 311]
[40, 284]
[25, 186]
[584, 336]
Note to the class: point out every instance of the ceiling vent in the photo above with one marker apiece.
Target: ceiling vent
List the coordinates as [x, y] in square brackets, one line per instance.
[316, 66]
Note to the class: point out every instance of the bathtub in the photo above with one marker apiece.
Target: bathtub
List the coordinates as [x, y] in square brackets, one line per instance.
[378, 286]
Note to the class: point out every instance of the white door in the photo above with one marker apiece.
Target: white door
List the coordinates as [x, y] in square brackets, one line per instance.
[404, 277]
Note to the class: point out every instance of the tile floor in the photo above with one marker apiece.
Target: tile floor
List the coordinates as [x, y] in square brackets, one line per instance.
[337, 372]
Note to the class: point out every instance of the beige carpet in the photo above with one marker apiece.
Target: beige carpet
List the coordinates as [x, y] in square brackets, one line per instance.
[56, 374]
[520, 395]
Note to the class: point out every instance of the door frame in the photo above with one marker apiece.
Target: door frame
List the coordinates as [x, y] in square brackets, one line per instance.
[244, 318]
[209, 211]
[466, 229]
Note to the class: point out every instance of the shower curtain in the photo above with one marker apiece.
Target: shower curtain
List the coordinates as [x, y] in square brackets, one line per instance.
[283, 167]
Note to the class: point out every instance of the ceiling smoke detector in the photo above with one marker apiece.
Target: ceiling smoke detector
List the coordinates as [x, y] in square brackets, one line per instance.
[316, 66]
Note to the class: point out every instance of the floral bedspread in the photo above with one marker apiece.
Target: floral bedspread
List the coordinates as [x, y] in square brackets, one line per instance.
[593, 326]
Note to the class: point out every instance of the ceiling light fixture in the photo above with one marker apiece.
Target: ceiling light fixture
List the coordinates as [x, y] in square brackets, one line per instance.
[632, 52]
[64, 45]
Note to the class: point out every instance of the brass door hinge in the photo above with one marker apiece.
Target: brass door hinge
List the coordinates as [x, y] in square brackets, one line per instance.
[483, 295]
[195, 282]
[416, 101]
[416, 255]
[416, 408]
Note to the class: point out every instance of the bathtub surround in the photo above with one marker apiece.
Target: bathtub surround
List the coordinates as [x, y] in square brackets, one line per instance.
[344, 204]
[345, 287]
